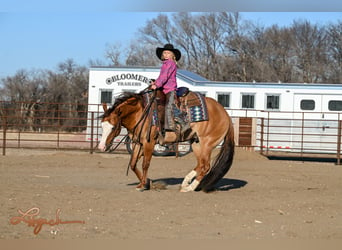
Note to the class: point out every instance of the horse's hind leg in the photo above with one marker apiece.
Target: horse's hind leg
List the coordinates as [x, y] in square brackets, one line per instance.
[192, 180]
[188, 179]
[189, 183]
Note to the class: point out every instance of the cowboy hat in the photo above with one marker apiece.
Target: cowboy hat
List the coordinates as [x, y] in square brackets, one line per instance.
[169, 47]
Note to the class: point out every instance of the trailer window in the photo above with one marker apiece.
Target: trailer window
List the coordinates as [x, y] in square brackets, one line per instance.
[307, 104]
[224, 100]
[272, 102]
[106, 96]
[335, 105]
[247, 101]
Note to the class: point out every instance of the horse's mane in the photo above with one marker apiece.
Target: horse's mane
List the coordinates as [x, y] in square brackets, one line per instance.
[122, 98]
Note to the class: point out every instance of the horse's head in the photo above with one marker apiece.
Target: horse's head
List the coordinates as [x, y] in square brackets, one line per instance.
[111, 127]
[122, 113]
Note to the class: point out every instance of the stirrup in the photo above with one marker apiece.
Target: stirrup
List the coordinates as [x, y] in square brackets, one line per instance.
[169, 137]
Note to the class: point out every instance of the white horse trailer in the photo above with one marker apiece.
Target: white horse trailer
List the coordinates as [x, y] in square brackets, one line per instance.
[295, 116]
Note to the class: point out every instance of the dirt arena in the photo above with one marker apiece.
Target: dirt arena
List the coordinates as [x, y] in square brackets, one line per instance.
[257, 199]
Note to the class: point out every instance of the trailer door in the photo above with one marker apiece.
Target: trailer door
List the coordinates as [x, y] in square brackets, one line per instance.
[316, 119]
[331, 114]
[307, 124]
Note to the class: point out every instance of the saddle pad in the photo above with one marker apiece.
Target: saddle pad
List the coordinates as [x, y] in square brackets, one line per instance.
[197, 108]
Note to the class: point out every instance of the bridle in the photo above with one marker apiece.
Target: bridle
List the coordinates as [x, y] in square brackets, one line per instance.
[136, 131]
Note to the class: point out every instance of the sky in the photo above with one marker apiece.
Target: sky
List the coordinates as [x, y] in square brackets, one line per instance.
[42, 34]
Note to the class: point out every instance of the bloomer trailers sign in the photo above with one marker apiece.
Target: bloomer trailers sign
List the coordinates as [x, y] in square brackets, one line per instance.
[106, 83]
[127, 79]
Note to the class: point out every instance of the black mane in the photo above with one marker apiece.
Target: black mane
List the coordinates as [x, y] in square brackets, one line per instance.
[122, 98]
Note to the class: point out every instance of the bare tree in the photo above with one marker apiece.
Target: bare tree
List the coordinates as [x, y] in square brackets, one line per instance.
[335, 52]
[309, 46]
[158, 31]
[185, 38]
[96, 62]
[279, 54]
[201, 38]
[210, 38]
[139, 55]
[238, 46]
[25, 90]
[113, 53]
[70, 85]
[223, 46]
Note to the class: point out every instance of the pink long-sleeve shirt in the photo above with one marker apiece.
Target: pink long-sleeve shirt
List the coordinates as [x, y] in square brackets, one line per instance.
[167, 76]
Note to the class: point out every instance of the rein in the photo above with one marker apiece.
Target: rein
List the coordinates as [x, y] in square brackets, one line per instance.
[111, 150]
[143, 118]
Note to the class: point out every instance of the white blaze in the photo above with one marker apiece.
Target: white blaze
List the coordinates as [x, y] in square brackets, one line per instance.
[106, 129]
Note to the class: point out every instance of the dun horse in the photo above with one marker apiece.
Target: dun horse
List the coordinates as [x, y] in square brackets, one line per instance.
[131, 111]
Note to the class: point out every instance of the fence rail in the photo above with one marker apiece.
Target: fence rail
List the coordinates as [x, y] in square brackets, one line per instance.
[304, 140]
[70, 126]
[47, 126]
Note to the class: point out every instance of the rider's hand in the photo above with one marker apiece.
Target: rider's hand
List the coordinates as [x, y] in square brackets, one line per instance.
[153, 85]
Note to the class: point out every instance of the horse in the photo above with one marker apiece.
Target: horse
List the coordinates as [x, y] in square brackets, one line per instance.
[132, 112]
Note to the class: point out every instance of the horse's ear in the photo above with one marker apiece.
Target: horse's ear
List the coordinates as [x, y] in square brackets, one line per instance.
[104, 106]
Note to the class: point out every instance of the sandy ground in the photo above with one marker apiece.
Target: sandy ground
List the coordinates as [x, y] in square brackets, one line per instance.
[257, 199]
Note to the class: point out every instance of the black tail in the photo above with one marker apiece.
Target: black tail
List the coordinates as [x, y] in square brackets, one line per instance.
[221, 164]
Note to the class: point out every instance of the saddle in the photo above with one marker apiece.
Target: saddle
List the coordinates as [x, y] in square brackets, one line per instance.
[191, 106]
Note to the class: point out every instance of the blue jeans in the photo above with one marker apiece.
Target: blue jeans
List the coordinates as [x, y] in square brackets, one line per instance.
[169, 122]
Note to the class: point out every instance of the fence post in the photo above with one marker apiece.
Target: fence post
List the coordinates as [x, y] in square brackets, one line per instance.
[92, 133]
[339, 143]
[302, 136]
[4, 136]
[262, 136]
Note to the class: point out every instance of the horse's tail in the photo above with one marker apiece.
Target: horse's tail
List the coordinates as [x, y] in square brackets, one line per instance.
[222, 163]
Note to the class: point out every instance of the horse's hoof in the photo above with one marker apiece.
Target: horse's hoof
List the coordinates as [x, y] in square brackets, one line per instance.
[191, 187]
[140, 189]
[185, 189]
[143, 187]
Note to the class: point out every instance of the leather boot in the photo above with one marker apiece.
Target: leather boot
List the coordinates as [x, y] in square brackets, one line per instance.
[181, 121]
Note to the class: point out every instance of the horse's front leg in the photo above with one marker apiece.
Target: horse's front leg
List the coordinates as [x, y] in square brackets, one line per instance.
[148, 150]
[135, 156]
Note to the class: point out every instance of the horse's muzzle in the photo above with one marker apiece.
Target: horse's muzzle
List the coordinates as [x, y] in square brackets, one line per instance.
[102, 147]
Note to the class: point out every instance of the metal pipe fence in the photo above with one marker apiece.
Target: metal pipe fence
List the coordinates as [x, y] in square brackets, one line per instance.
[303, 138]
[47, 126]
[71, 126]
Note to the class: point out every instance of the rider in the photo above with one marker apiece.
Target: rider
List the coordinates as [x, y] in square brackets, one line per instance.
[167, 81]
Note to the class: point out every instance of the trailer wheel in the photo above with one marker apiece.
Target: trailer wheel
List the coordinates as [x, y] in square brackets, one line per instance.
[158, 149]
[128, 143]
[184, 148]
